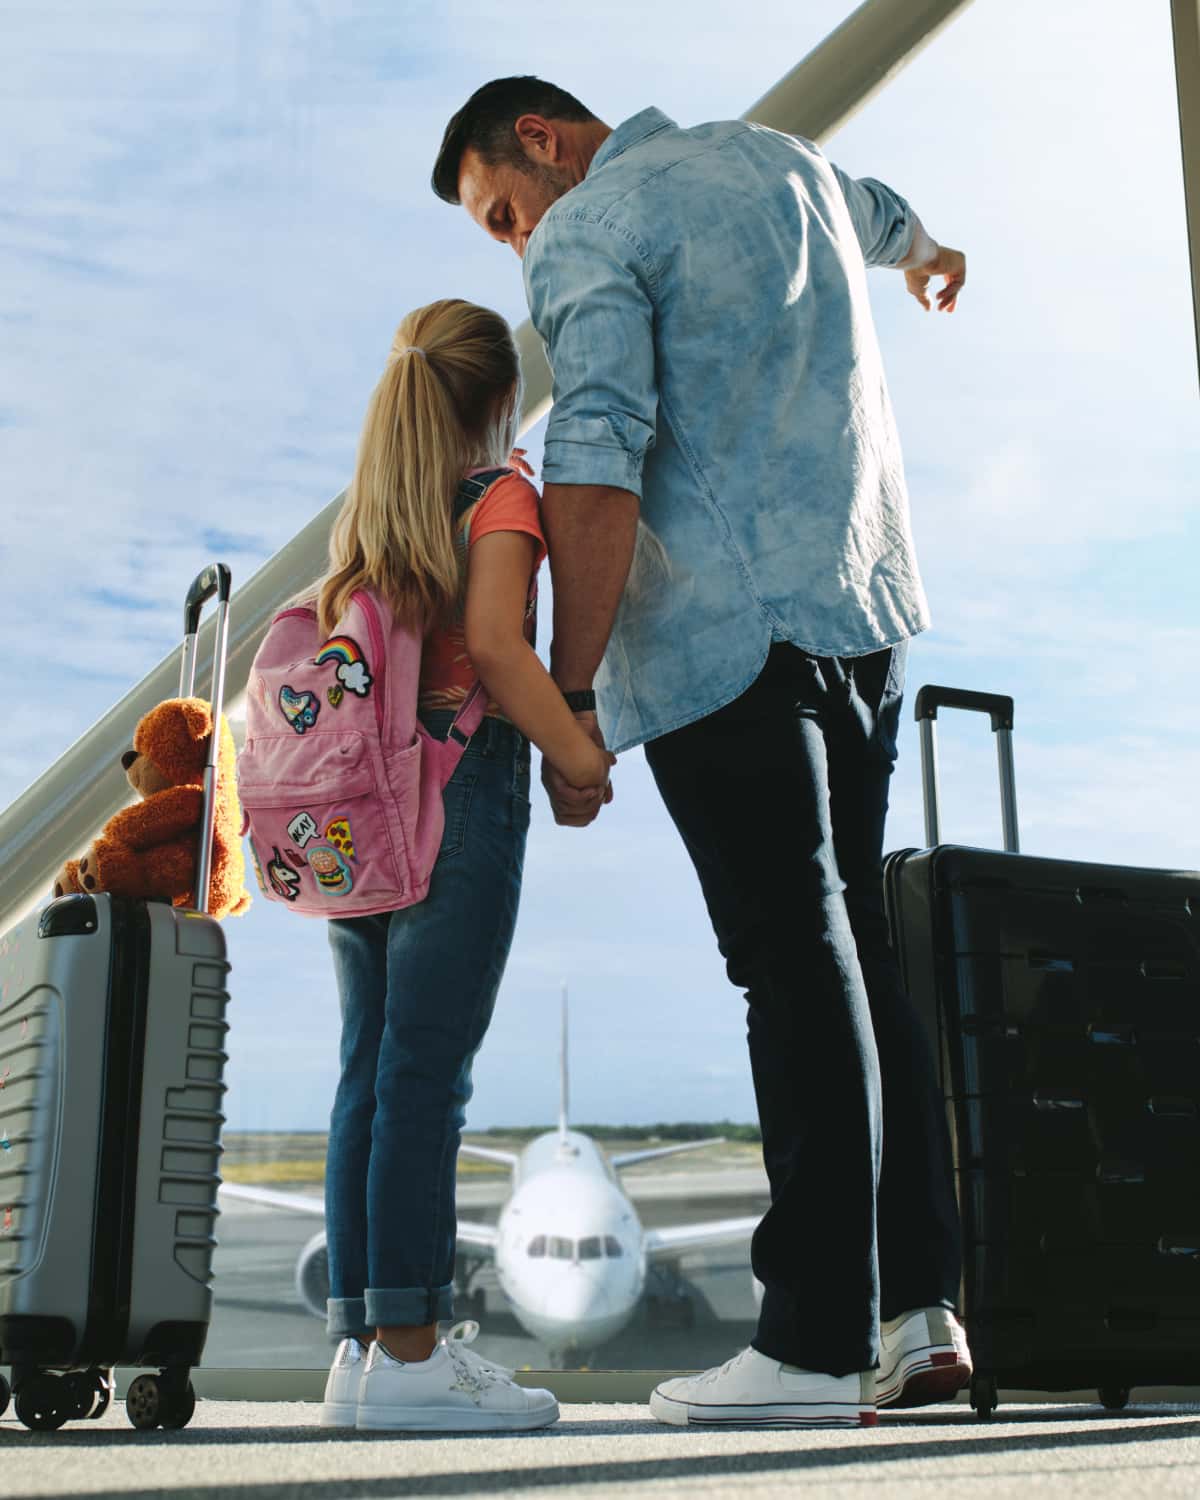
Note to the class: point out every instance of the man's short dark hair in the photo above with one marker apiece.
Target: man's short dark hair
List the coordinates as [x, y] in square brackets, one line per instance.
[485, 124]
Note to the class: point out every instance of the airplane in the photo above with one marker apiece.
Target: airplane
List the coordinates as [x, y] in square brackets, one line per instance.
[570, 1253]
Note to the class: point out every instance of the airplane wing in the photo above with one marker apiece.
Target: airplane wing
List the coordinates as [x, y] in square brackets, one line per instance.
[655, 1151]
[479, 1239]
[301, 1203]
[486, 1153]
[661, 1244]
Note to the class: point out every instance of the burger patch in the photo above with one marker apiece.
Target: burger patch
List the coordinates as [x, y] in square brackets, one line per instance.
[330, 871]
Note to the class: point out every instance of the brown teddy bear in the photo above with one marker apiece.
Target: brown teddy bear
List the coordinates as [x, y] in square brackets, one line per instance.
[150, 849]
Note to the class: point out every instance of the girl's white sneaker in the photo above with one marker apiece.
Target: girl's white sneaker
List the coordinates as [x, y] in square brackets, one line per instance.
[341, 1389]
[752, 1390]
[454, 1390]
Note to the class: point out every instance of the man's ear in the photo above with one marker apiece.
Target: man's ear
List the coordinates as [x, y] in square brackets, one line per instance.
[539, 137]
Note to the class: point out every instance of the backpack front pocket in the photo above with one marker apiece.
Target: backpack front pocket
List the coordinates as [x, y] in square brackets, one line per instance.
[320, 843]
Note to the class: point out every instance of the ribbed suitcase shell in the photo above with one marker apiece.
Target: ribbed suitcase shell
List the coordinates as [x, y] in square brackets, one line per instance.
[112, 1032]
[1063, 1000]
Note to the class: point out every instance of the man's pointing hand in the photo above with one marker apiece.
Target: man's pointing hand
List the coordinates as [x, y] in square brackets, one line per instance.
[952, 264]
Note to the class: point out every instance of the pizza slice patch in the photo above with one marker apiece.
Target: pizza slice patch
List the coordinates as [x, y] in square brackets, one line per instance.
[338, 834]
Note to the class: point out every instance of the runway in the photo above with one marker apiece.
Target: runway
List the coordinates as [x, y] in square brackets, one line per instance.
[260, 1321]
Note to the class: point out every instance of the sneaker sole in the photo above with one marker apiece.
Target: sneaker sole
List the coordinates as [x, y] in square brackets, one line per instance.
[452, 1419]
[923, 1377]
[809, 1414]
[339, 1414]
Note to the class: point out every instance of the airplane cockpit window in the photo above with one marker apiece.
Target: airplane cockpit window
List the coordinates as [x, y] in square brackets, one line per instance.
[612, 1247]
[591, 1248]
[562, 1249]
[537, 1246]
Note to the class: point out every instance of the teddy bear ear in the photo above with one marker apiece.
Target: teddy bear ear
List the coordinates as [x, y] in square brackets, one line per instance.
[197, 716]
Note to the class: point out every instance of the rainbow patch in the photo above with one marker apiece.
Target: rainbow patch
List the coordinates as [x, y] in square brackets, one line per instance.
[340, 648]
[352, 670]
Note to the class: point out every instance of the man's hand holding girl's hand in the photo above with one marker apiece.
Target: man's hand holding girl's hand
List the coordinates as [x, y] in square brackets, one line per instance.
[578, 791]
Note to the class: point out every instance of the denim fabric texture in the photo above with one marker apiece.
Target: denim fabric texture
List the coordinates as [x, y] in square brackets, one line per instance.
[781, 798]
[417, 988]
[702, 295]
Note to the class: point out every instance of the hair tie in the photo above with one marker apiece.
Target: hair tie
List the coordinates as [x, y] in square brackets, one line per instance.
[411, 349]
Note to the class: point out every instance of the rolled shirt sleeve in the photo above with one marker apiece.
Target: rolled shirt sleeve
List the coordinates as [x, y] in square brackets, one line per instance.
[883, 221]
[589, 286]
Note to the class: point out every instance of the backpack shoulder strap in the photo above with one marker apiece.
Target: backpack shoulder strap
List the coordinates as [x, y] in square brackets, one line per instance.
[474, 489]
[470, 715]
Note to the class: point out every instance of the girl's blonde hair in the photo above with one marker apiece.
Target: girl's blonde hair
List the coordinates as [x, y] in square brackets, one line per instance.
[448, 401]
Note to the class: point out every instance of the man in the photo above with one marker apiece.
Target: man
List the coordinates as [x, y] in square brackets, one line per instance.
[735, 583]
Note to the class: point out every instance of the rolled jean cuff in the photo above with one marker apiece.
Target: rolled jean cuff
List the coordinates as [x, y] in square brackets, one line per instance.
[389, 1307]
[346, 1318]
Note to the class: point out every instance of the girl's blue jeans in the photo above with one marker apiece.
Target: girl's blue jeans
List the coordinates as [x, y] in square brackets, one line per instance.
[417, 989]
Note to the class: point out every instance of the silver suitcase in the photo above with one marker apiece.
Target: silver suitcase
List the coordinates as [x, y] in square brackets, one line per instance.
[112, 1036]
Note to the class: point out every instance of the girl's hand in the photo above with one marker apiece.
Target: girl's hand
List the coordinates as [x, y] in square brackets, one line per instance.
[518, 461]
[590, 772]
[580, 790]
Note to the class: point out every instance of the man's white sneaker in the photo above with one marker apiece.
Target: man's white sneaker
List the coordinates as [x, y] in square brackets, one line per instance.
[341, 1389]
[751, 1390]
[923, 1357]
[454, 1390]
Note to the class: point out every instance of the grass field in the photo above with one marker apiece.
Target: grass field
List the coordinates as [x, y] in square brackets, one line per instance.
[261, 1157]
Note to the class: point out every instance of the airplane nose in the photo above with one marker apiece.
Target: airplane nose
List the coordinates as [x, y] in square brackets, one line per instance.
[579, 1300]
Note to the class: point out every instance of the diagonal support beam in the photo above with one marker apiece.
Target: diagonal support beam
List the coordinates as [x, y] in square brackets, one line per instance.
[62, 810]
[1185, 24]
[820, 95]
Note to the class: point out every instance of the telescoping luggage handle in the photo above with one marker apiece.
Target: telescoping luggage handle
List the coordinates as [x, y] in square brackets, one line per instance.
[1000, 707]
[215, 579]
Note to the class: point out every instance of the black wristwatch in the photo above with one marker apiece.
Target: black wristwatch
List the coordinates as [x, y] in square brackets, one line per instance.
[581, 702]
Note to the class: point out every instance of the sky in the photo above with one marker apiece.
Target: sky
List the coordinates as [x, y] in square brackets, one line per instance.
[213, 215]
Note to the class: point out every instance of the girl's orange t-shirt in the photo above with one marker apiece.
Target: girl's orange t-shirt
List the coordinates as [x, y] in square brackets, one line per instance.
[447, 676]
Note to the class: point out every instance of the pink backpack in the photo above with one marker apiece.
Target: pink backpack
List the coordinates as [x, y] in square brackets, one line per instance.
[340, 783]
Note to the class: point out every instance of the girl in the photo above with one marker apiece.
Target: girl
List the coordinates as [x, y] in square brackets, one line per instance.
[417, 986]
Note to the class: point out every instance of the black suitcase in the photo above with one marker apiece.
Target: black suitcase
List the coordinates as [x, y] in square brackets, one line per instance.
[1063, 1001]
[112, 1035]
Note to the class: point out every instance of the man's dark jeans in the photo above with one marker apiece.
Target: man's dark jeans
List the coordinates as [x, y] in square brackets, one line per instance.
[781, 799]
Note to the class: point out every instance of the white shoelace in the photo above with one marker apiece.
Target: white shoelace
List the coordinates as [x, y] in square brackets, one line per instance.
[710, 1375]
[473, 1370]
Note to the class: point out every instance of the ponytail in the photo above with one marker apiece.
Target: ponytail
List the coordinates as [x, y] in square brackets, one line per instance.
[446, 401]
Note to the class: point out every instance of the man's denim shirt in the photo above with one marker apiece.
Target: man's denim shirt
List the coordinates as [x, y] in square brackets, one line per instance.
[702, 295]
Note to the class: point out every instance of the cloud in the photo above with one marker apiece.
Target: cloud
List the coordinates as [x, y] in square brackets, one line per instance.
[354, 675]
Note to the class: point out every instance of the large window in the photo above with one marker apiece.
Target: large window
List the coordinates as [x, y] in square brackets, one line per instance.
[687, 1309]
[215, 222]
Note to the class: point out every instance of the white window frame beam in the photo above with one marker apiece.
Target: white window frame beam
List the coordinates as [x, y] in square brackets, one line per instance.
[59, 813]
[1185, 29]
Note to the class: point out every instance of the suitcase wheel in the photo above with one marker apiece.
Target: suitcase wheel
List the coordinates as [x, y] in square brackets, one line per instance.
[103, 1384]
[157, 1401]
[1114, 1397]
[45, 1402]
[5, 1393]
[984, 1396]
[183, 1408]
[89, 1391]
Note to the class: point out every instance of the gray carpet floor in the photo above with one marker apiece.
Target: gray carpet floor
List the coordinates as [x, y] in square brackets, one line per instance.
[275, 1451]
